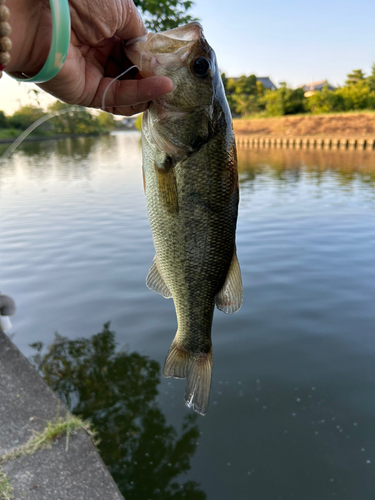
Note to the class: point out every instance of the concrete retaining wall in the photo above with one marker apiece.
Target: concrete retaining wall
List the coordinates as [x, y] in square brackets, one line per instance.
[305, 142]
[26, 405]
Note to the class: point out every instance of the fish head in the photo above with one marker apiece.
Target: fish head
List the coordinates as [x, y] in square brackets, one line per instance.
[184, 55]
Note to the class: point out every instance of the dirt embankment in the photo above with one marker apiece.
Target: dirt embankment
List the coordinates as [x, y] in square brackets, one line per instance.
[341, 125]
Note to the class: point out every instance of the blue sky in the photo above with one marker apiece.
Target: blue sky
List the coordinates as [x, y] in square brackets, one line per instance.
[292, 41]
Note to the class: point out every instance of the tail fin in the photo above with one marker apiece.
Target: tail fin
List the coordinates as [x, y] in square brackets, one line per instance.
[197, 368]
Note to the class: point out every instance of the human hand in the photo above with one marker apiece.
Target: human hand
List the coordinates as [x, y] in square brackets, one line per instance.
[95, 54]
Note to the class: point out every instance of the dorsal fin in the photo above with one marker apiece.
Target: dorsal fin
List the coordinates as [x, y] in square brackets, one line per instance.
[155, 281]
[229, 299]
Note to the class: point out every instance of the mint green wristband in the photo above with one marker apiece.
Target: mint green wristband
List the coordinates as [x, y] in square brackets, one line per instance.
[59, 44]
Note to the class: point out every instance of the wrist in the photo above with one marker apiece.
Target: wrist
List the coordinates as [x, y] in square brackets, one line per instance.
[31, 35]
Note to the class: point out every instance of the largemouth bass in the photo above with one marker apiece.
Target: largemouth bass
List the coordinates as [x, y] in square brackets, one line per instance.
[191, 186]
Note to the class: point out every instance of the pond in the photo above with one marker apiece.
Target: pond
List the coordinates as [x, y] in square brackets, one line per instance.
[292, 406]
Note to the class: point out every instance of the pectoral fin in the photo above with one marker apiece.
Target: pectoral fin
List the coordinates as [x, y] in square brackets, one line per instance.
[155, 280]
[229, 299]
[167, 185]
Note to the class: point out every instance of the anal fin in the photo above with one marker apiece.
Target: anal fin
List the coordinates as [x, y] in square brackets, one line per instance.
[229, 299]
[155, 281]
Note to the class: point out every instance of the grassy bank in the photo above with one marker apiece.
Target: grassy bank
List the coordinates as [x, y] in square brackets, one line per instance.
[9, 135]
[361, 124]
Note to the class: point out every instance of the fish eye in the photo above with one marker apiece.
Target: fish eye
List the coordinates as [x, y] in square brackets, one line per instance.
[201, 67]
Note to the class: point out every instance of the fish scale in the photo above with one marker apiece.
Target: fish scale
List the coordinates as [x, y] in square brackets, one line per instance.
[191, 187]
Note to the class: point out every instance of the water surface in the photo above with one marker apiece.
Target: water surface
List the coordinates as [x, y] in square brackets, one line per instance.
[292, 407]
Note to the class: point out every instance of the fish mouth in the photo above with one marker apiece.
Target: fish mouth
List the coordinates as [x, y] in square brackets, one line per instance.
[156, 53]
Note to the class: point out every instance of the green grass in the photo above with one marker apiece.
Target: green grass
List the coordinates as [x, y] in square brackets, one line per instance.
[44, 439]
[5, 487]
[53, 431]
[12, 133]
[9, 133]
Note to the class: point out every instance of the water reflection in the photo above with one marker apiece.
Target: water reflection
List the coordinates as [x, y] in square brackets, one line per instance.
[286, 164]
[292, 407]
[79, 148]
[117, 391]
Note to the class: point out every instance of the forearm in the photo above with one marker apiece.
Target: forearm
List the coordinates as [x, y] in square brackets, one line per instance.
[31, 35]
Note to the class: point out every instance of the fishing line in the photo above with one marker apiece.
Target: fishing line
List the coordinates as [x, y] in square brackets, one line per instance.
[119, 76]
[43, 119]
[110, 83]
[28, 131]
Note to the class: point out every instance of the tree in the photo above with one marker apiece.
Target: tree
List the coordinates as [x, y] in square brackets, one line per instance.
[355, 76]
[325, 101]
[243, 94]
[165, 14]
[284, 101]
[295, 101]
[3, 120]
[246, 85]
[116, 390]
[106, 121]
[357, 96]
[371, 78]
[25, 116]
[73, 119]
[245, 104]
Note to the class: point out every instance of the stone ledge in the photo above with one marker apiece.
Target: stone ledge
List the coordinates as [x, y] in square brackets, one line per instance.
[26, 404]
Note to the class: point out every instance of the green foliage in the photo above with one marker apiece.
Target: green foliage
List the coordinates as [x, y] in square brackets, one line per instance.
[225, 81]
[138, 122]
[9, 133]
[243, 94]
[246, 85]
[24, 117]
[116, 390]
[53, 430]
[325, 101]
[371, 78]
[284, 101]
[245, 104]
[73, 120]
[5, 487]
[354, 77]
[274, 102]
[3, 120]
[357, 96]
[161, 15]
[69, 120]
[246, 96]
[106, 121]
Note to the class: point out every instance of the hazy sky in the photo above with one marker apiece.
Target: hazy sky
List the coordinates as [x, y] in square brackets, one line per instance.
[292, 41]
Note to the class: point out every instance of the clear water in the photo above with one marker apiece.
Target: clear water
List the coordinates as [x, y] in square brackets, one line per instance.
[292, 408]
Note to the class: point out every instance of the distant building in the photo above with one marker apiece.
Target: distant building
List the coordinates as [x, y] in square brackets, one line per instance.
[267, 83]
[311, 88]
[264, 80]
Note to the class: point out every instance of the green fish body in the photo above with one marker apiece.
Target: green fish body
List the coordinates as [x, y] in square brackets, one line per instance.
[191, 187]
